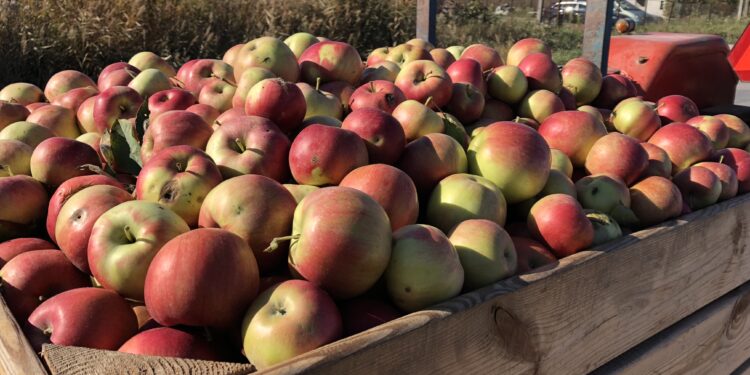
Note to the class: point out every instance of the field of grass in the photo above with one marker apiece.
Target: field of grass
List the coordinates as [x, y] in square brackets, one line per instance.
[40, 37]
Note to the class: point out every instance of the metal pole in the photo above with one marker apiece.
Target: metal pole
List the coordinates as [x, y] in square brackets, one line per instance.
[426, 18]
[539, 10]
[740, 6]
[596, 32]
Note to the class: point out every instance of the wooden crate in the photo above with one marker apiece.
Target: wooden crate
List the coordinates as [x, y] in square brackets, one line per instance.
[658, 299]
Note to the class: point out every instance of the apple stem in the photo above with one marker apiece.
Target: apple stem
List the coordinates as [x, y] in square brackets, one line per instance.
[239, 144]
[276, 241]
[128, 235]
[427, 102]
[317, 84]
[721, 159]
[4, 166]
[180, 83]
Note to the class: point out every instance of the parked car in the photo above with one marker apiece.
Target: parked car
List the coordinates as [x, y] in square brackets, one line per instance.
[576, 9]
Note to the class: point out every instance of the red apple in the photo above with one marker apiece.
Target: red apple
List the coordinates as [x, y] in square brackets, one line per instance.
[513, 156]
[615, 88]
[430, 159]
[467, 103]
[67, 189]
[109, 320]
[572, 132]
[10, 249]
[423, 79]
[487, 57]
[169, 100]
[559, 221]
[170, 342]
[739, 160]
[739, 132]
[268, 53]
[382, 134]
[323, 155]
[34, 276]
[541, 72]
[405, 53]
[495, 110]
[85, 116]
[383, 95]
[442, 57]
[77, 217]
[12, 112]
[279, 101]
[676, 108]
[218, 94]
[209, 114]
[64, 81]
[115, 103]
[713, 128]
[58, 159]
[389, 186]
[583, 78]
[684, 144]
[187, 281]
[179, 178]
[540, 104]
[340, 89]
[330, 61]
[424, 268]
[654, 200]
[524, 47]
[658, 161]
[61, 120]
[250, 144]
[74, 98]
[467, 71]
[255, 208]
[727, 178]
[619, 155]
[635, 118]
[174, 128]
[417, 119]
[22, 93]
[341, 241]
[531, 255]
[124, 241]
[299, 42]
[507, 83]
[116, 74]
[288, 319]
[203, 71]
[28, 198]
[700, 187]
[246, 81]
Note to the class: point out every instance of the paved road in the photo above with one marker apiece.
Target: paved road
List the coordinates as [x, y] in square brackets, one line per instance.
[742, 96]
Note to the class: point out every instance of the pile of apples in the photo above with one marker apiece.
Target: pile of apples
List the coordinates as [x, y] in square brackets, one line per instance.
[290, 194]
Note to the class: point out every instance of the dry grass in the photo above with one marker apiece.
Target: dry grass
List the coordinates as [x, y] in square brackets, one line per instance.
[40, 37]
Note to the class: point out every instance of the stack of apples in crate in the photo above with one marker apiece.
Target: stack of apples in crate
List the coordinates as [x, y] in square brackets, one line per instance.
[289, 195]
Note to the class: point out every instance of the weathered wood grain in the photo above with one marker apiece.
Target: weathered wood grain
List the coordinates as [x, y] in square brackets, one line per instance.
[589, 309]
[713, 340]
[16, 355]
[75, 360]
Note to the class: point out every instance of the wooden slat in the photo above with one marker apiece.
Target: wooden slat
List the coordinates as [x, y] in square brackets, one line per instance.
[75, 360]
[426, 20]
[16, 355]
[713, 340]
[589, 309]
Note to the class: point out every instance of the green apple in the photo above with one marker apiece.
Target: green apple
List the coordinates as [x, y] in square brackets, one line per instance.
[486, 252]
[461, 197]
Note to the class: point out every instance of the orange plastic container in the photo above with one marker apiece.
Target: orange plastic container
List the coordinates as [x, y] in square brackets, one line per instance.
[661, 64]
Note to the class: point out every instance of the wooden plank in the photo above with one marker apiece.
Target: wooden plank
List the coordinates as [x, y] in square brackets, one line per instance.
[426, 19]
[713, 340]
[596, 32]
[16, 355]
[74, 360]
[592, 307]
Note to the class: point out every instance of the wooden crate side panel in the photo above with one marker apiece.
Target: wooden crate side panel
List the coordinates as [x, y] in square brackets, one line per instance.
[713, 340]
[16, 355]
[66, 360]
[592, 307]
